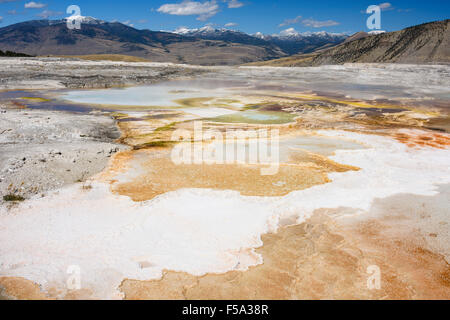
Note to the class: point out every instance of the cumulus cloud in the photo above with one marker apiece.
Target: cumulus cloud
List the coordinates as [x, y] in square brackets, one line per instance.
[290, 21]
[231, 24]
[234, 4]
[319, 24]
[385, 6]
[48, 13]
[34, 5]
[204, 10]
[309, 22]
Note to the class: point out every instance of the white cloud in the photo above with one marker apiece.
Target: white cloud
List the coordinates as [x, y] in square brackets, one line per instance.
[231, 24]
[48, 13]
[309, 22]
[385, 6]
[319, 24]
[234, 4]
[204, 10]
[1, 19]
[290, 21]
[34, 5]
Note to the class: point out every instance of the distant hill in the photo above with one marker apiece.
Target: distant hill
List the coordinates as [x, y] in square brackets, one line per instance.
[52, 37]
[426, 43]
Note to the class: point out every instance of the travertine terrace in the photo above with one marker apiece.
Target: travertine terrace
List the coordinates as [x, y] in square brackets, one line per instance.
[363, 180]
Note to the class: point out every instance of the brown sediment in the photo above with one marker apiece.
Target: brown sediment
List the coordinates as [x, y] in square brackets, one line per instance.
[18, 105]
[423, 139]
[404, 258]
[160, 175]
[290, 270]
[441, 124]
[15, 288]
[319, 259]
[272, 107]
[120, 163]
[21, 289]
[325, 164]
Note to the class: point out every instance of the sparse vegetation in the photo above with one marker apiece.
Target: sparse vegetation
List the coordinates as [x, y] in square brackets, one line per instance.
[13, 198]
[86, 187]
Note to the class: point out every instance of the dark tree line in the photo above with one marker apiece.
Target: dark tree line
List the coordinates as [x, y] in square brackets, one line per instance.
[12, 54]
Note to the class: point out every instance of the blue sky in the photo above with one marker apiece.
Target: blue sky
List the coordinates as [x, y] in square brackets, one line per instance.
[250, 16]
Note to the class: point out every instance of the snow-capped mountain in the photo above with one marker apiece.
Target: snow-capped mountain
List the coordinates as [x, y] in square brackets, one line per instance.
[289, 40]
[222, 34]
[292, 42]
[206, 30]
[84, 20]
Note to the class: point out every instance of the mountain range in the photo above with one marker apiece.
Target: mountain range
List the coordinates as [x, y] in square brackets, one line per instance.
[422, 44]
[426, 43]
[289, 41]
[205, 46]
